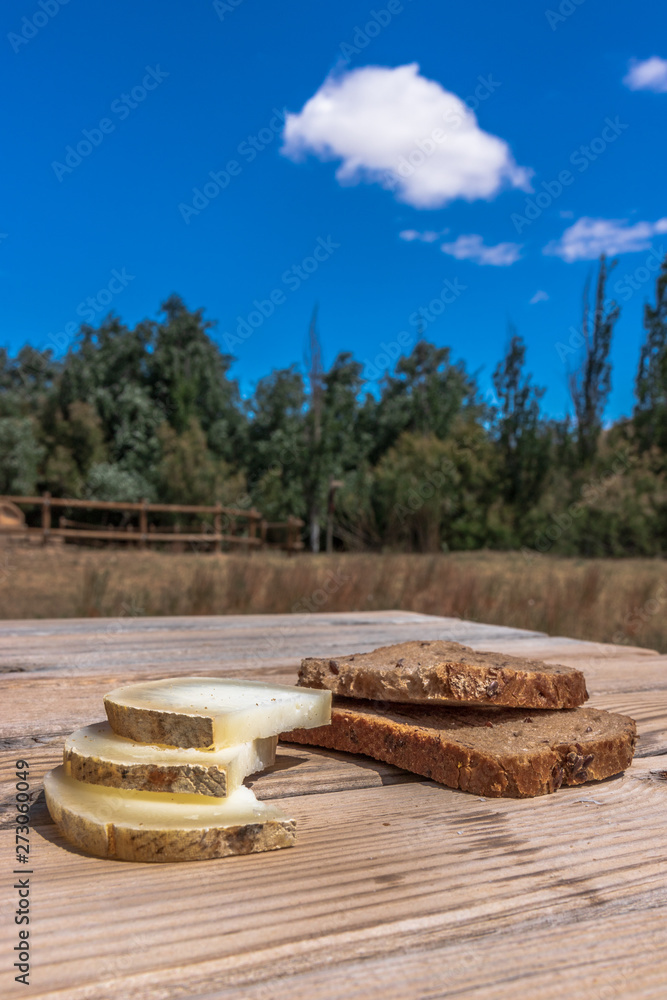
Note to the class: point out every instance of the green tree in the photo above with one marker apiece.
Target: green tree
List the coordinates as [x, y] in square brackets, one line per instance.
[152, 412]
[424, 395]
[107, 368]
[75, 442]
[20, 456]
[347, 443]
[433, 494]
[344, 448]
[356, 512]
[100, 363]
[416, 485]
[108, 481]
[189, 378]
[277, 451]
[135, 443]
[650, 416]
[26, 380]
[520, 433]
[189, 473]
[591, 383]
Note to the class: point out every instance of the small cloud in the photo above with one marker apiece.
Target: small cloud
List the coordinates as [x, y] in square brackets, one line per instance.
[472, 247]
[429, 236]
[396, 128]
[588, 238]
[539, 296]
[647, 74]
[566, 213]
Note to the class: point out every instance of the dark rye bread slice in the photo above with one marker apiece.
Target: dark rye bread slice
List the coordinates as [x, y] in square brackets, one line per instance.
[446, 673]
[493, 752]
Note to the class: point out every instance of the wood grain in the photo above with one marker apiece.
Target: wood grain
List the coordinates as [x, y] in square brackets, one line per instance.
[397, 888]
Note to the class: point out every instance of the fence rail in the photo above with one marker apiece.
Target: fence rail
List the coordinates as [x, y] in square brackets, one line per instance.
[245, 528]
[150, 508]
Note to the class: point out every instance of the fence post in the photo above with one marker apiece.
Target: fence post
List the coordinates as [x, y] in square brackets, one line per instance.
[217, 527]
[46, 517]
[334, 484]
[143, 525]
[252, 527]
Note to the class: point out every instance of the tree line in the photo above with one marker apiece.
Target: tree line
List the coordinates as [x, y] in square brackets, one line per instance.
[426, 463]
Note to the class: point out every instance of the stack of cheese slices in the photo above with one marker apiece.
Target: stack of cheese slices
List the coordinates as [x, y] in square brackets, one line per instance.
[162, 780]
[487, 723]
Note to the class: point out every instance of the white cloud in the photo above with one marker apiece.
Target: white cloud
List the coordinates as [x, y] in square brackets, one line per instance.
[395, 128]
[429, 236]
[588, 238]
[472, 247]
[539, 296]
[648, 74]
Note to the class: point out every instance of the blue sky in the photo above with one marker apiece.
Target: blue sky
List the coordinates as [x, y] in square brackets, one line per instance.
[171, 93]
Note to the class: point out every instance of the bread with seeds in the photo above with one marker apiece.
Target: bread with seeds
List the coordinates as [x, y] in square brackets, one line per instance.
[446, 673]
[490, 752]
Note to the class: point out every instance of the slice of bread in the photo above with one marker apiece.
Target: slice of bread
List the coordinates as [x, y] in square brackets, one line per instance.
[491, 752]
[446, 673]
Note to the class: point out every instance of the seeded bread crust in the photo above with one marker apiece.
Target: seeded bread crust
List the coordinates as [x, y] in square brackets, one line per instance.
[446, 673]
[491, 752]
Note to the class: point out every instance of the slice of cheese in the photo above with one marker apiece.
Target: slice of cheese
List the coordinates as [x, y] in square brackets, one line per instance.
[98, 755]
[212, 711]
[157, 826]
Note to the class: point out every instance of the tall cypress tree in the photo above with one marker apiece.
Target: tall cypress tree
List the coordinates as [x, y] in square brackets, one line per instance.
[591, 383]
[520, 435]
[650, 415]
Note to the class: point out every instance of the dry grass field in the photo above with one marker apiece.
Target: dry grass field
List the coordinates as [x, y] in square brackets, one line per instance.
[622, 601]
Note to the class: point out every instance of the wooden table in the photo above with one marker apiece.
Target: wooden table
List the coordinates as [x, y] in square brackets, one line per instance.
[398, 888]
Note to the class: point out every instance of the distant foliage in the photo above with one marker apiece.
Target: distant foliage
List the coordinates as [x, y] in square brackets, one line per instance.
[423, 464]
[651, 385]
[111, 482]
[20, 455]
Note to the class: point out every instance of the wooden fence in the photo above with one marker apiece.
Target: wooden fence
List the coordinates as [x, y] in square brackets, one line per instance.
[229, 527]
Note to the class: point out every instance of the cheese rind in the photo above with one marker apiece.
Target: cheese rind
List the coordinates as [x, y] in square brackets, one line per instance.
[212, 711]
[99, 756]
[161, 827]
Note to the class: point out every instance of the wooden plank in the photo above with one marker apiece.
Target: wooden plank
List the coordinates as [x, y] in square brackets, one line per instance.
[649, 710]
[338, 632]
[504, 967]
[210, 644]
[99, 643]
[378, 872]
[296, 635]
